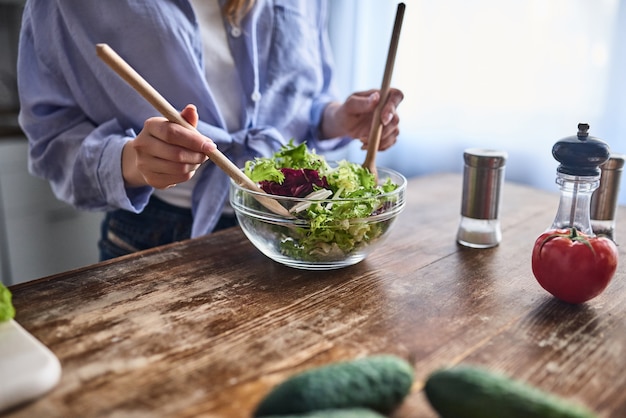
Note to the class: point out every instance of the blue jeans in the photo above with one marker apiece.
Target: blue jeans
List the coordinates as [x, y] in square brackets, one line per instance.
[160, 223]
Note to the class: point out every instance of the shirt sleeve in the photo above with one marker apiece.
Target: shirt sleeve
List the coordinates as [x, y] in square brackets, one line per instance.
[81, 160]
[329, 90]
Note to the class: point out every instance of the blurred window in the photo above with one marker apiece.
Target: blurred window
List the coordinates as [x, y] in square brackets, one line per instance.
[515, 75]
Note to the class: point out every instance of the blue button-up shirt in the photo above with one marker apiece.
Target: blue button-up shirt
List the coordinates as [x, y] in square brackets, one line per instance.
[78, 114]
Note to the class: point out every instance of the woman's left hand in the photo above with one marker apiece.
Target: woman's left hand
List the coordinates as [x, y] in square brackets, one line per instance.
[354, 117]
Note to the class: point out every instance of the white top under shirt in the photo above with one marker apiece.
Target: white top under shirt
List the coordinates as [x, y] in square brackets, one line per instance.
[220, 71]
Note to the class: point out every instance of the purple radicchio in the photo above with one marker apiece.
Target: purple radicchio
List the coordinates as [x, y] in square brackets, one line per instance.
[298, 183]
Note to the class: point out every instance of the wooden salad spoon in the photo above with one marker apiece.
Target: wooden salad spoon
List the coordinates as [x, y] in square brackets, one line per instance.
[373, 141]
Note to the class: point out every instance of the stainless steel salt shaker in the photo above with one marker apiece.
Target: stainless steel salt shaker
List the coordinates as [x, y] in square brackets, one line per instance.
[605, 197]
[483, 175]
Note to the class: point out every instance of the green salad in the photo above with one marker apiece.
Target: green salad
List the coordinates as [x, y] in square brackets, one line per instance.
[347, 192]
[7, 311]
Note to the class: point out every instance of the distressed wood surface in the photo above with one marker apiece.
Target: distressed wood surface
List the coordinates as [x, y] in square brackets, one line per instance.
[204, 328]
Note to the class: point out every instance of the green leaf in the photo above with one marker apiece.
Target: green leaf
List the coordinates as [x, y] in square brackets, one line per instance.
[263, 169]
[7, 311]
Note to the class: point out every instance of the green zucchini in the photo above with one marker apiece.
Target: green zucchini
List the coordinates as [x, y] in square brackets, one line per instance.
[379, 383]
[471, 392]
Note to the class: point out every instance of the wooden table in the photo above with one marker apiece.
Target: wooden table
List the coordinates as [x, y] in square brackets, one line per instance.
[204, 328]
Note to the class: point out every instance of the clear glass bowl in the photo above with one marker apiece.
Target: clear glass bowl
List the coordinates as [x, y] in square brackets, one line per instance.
[292, 240]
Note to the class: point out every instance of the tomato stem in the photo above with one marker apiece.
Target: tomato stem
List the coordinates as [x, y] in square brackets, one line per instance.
[573, 234]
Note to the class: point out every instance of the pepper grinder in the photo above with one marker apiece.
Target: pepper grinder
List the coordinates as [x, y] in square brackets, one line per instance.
[578, 176]
[604, 198]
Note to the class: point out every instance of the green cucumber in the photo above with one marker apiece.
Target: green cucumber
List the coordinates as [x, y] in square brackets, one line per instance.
[379, 383]
[471, 392]
[335, 413]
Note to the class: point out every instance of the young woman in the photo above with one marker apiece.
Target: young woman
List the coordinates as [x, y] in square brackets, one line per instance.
[257, 73]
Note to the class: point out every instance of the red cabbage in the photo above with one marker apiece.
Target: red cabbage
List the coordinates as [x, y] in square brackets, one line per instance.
[298, 183]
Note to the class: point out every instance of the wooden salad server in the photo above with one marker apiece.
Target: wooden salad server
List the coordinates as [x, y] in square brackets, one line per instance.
[376, 129]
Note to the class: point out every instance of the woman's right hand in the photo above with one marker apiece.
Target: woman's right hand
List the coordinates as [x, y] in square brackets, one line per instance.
[165, 153]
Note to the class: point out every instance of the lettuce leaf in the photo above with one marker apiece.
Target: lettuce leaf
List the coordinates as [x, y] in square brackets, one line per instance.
[263, 170]
[7, 311]
[288, 156]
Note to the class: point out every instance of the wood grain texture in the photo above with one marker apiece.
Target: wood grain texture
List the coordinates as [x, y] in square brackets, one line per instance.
[205, 327]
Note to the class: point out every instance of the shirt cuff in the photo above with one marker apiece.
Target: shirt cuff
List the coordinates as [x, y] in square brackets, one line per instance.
[111, 180]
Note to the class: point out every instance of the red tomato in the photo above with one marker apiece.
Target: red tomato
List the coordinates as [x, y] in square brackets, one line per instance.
[573, 266]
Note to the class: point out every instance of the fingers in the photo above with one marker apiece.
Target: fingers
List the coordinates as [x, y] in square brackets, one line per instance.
[388, 112]
[366, 102]
[388, 137]
[390, 134]
[190, 114]
[165, 175]
[169, 141]
[175, 134]
[388, 118]
[362, 102]
[165, 153]
[161, 163]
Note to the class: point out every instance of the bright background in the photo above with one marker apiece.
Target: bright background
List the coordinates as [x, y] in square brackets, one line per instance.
[515, 75]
